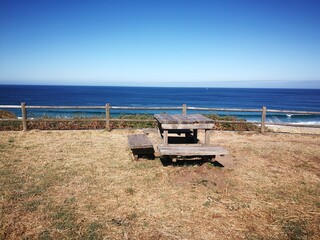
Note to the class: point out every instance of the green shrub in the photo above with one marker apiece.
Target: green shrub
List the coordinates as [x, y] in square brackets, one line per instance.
[94, 124]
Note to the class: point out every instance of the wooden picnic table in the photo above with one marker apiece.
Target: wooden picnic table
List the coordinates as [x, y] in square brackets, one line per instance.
[175, 123]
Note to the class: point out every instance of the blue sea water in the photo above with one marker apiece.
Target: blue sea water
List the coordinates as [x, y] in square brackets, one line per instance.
[281, 99]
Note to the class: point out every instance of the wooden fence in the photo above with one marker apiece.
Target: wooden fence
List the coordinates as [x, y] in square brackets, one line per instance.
[108, 108]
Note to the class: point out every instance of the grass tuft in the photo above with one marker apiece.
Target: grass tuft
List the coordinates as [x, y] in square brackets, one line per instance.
[93, 231]
[130, 190]
[45, 235]
[296, 230]
[33, 205]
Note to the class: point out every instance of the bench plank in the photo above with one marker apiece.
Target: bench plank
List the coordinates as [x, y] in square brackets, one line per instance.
[139, 141]
[182, 119]
[178, 131]
[188, 126]
[192, 150]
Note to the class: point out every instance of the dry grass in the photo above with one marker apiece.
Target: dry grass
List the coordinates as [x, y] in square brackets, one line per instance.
[83, 185]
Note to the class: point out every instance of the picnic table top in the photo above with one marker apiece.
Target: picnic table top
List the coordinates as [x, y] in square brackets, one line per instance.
[182, 119]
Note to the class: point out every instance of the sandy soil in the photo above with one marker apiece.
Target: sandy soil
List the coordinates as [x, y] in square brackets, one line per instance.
[84, 185]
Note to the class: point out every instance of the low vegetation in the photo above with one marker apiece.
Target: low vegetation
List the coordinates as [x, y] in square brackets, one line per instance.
[7, 115]
[94, 124]
[245, 126]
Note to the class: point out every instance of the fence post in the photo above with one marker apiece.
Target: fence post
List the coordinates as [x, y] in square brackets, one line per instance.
[184, 108]
[108, 117]
[24, 116]
[263, 119]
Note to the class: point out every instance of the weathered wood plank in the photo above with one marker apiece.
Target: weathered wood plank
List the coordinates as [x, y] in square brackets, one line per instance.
[182, 119]
[191, 150]
[224, 109]
[207, 137]
[166, 108]
[139, 141]
[10, 106]
[180, 131]
[66, 107]
[188, 126]
[108, 117]
[24, 116]
[145, 108]
[165, 137]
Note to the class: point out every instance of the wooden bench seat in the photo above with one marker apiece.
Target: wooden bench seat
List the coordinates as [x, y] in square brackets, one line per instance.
[139, 141]
[140, 144]
[175, 150]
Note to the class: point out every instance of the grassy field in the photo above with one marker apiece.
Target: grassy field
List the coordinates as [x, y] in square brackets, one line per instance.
[83, 185]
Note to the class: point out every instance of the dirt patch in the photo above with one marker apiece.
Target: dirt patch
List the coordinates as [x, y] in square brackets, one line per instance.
[227, 162]
[201, 176]
[316, 160]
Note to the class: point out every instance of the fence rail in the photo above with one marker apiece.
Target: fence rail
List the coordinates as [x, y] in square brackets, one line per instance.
[65, 107]
[183, 108]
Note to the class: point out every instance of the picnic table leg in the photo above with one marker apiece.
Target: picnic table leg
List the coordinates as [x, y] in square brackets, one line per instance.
[165, 137]
[173, 158]
[207, 137]
[160, 129]
[213, 158]
[135, 157]
[195, 135]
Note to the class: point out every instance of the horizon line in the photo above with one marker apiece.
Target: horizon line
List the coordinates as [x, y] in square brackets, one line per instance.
[146, 86]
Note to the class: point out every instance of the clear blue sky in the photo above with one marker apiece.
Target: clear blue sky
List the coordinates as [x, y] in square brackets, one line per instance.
[161, 43]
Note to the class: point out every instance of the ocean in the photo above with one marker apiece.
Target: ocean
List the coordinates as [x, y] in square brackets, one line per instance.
[280, 99]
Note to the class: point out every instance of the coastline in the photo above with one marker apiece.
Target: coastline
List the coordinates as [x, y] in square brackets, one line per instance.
[293, 129]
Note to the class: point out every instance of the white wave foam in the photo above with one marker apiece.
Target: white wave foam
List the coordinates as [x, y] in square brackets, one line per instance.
[307, 123]
[21, 118]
